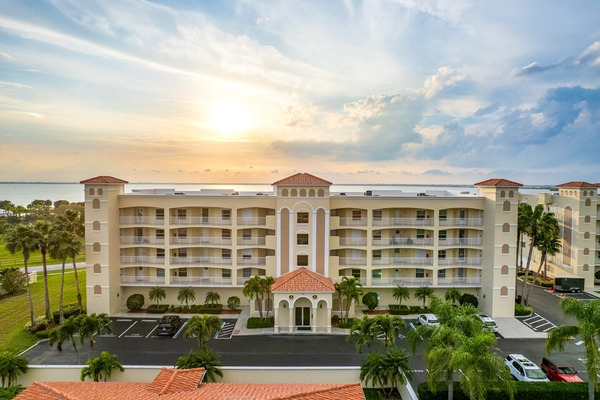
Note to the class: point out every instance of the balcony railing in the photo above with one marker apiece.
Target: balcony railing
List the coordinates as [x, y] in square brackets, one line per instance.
[187, 221]
[247, 221]
[405, 242]
[461, 222]
[349, 241]
[251, 241]
[142, 280]
[460, 261]
[403, 222]
[408, 282]
[200, 281]
[134, 220]
[142, 260]
[460, 282]
[142, 240]
[362, 280]
[344, 221]
[461, 242]
[350, 261]
[200, 240]
[200, 261]
[241, 280]
[413, 261]
[253, 261]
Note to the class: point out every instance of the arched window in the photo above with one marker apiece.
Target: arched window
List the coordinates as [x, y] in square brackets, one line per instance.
[311, 193]
[506, 206]
[503, 291]
[586, 252]
[588, 202]
[100, 192]
[321, 193]
[302, 192]
[586, 268]
[92, 191]
[294, 193]
[586, 235]
[96, 204]
[97, 268]
[506, 227]
[96, 247]
[505, 249]
[284, 193]
[587, 219]
[504, 270]
[96, 225]
[502, 193]
[511, 194]
[585, 192]
[97, 289]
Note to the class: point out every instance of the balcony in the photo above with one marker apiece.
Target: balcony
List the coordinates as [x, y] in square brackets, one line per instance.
[241, 281]
[142, 280]
[251, 241]
[142, 260]
[404, 242]
[200, 240]
[251, 261]
[200, 221]
[461, 242]
[124, 220]
[353, 261]
[402, 261]
[252, 221]
[352, 221]
[200, 281]
[395, 281]
[461, 222]
[403, 222]
[460, 261]
[142, 240]
[362, 280]
[460, 282]
[349, 241]
[200, 261]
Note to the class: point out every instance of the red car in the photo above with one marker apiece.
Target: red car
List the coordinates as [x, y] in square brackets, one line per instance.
[559, 373]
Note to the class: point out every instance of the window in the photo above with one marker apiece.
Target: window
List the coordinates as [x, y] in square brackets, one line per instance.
[505, 249]
[302, 192]
[377, 215]
[182, 272]
[419, 273]
[588, 202]
[226, 254]
[100, 192]
[97, 289]
[504, 270]
[160, 214]
[442, 235]
[461, 254]
[182, 233]
[181, 213]
[506, 227]
[302, 218]
[96, 204]
[97, 269]
[356, 215]
[160, 234]
[586, 235]
[247, 272]
[443, 215]
[96, 225]
[511, 194]
[503, 291]
[441, 273]
[302, 239]
[376, 254]
[160, 272]
[321, 193]
[586, 252]
[420, 214]
[225, 273]
[182, 253]
[246, 234]
[284, 193]
[587, 219]
[91, 191]
[96, 247]
[294, 193]
[226, 215]
[442, 254]
[376, 235]
[506, 206]
[160, 253]
[586, 267]
[302, 260]
[311, 193]
[356, 273]
[502, 193]
[226, 234]
[376, 273]
[420, 233]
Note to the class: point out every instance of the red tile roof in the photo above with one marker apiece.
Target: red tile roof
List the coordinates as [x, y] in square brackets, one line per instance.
[498, 182]
[303, 280]
[104, 179]
[171, 380]
[577, 184]
[303, 179]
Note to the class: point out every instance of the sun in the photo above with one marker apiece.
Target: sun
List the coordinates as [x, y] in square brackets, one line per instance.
[229, 120]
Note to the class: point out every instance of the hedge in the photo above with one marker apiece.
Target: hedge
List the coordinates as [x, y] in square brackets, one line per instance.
[68, 311]
[157, 309]
[395, 309]
[257, 323]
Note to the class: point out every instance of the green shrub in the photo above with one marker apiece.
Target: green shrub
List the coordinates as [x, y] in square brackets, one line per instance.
[396, 310]
[10, 392]
[416, 309]
[348, 324]
[12, 280]
[257, 323]
[233, 302]
[45, 334]
[211, 309]
[521, 311]
[195, 309]
[470, 299]
[40, 324]
[370, 300]
[135, 302]
[157, 309]
[545, 283]
[69, 310]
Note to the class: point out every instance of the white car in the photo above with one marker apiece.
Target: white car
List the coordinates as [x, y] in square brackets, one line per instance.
[488, 323]
[428, 319]
[524, 370]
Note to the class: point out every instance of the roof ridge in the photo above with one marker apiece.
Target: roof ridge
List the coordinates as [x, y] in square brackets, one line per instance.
[328, 388]
[55, 391]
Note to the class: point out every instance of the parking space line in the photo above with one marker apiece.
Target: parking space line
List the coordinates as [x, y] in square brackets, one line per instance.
[123, 320]
[131, 326]
[153, 329]
[180, 330]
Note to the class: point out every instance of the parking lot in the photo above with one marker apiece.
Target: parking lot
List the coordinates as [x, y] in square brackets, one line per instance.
[145, 328]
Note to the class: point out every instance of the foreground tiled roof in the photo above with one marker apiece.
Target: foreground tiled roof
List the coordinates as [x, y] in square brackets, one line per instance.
[498, 182]
[302, 179]
[577, 184]
[171, 380]
[104, 179]
[303, 280]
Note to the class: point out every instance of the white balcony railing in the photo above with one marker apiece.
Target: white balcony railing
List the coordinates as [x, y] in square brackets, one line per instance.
[460, 282]
[362, 280]
[187, 221]
[350, 241]
[253, 261]
[201, 240]
[461, 242]
[405, 242]
[412, 261]
[142, 280]
[247, 221]
[403, 222]
[243, 279]
[251, 241]
[461, 222]
[138, 220]
[408, 282]
[200, 281]
[344, 221]
[141, 240]
[200, 261]
[142, 260]
[351, 261]
[460, 261]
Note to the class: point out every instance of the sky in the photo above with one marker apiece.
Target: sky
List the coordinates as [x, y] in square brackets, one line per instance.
[390, 91]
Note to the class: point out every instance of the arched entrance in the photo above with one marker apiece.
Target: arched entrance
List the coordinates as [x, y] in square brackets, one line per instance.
[302, 314]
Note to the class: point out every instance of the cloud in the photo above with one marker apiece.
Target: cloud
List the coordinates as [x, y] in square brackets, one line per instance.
[436, 172]
[6, 56]
[434, 84]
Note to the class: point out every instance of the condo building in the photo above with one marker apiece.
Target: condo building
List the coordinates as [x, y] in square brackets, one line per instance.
[308, 238]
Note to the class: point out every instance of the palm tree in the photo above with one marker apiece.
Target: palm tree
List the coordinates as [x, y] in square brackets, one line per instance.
[387, 328]
[185, 295]
[60, 247]
[423, 293]
[362, 331]
[401, 293]
[11, 366]
[157, 294]
[203, 328]
[522, 212]
[202, 359]
[74, 222]
[254, 289]
[212, 298]
[351, 289]
[267, 282]
[391, 369]
[587, 316]
[92, 325]
[532, 217]
[43, 229]
[101, 367]
[65, 332]
[453, 295]
[22, 239]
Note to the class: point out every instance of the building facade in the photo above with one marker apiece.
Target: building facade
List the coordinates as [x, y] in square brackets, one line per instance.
[215, 240]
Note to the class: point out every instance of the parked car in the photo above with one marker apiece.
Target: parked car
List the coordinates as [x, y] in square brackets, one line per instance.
[488, 323]
[428, 319]
[559, 372]
[524, 370]
[168, 325]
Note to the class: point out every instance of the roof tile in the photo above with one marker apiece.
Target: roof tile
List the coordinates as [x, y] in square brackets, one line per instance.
[498, 182]
[577, 184]
[303, 179]
[104, 179]
[303, 280]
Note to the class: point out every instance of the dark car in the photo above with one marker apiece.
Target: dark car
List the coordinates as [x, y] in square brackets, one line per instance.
[168, 325]
[559, 372]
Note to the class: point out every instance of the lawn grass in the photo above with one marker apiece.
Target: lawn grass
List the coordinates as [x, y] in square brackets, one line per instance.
[16, 260]
[14, 310]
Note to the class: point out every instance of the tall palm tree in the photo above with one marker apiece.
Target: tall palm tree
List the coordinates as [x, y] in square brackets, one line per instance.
[387, 328]
[22, 239]
[202, 359]
[267, 281]
[254, 289]
[43, 230]
[60, 247]
[101, 367]
[157, 294]
[453, 295]
[389, 369]
[532, 218]
[212, 298]
[423, 293]
[522, 212]
[65, 332]
[351, 289]
[401, 293]
[185, 295]
[203, 328]
[11, 366]
[74, 222]
[362, 331]
[587, 316]
[92, 325]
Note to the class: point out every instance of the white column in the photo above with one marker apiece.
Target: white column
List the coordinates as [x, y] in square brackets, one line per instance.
[276, 319]
[313, 322]
[328, 319]
[326, 238]
[314, 241]
[291, 319]
[278, 239]
[291, 234]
